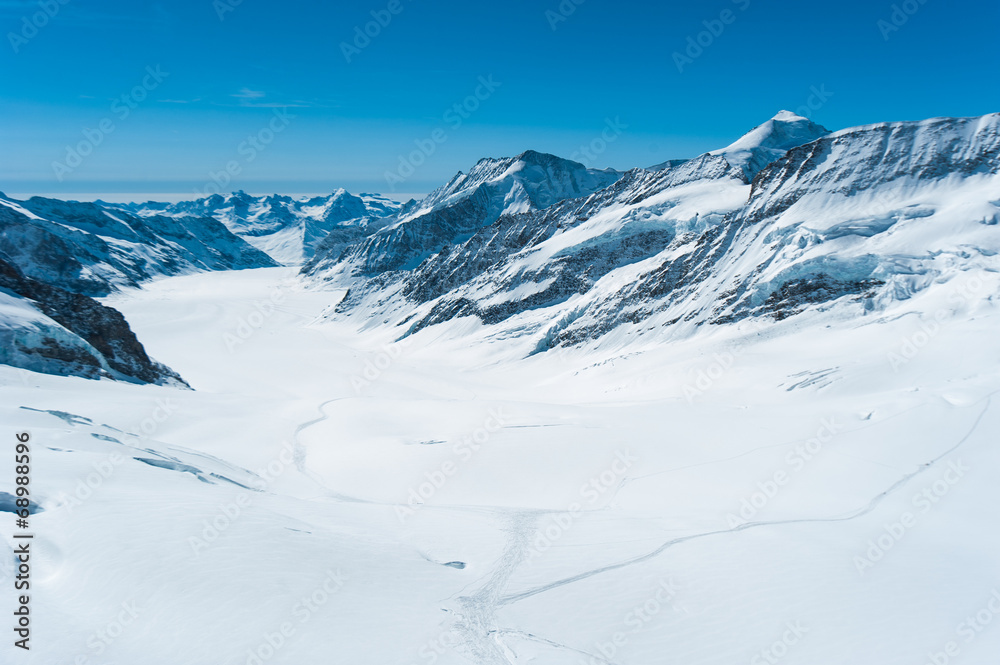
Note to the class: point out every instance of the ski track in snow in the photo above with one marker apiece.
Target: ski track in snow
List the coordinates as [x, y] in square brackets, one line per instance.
[477, 625]
[872, 505]
[541, 640]
[300, 454]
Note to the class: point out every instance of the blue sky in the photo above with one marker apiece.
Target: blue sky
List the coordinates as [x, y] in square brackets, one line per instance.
[269, 90]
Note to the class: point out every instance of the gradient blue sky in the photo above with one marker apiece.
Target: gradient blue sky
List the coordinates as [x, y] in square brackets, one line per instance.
[352, 120]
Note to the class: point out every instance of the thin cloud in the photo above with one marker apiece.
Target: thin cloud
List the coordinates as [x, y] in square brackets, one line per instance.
[278, 105]
[248, 94]
[249, 98]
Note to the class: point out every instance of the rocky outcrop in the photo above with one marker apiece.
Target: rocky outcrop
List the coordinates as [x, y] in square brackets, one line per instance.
[70, 334]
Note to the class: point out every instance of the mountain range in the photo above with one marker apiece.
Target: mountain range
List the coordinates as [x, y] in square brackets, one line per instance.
[790, 217]
[286, 229]
[542, 251]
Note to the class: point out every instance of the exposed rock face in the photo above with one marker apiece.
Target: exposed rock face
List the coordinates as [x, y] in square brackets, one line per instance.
[789, 218]
[51, 330]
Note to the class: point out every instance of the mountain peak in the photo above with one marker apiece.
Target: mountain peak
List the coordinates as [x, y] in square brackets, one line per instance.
[241, 196]
[534, 157]
[788, 116]
[770, 140]
[528, 158]
[784, 131]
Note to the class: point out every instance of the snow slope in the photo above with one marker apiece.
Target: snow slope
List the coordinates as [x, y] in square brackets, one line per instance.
[779, 488]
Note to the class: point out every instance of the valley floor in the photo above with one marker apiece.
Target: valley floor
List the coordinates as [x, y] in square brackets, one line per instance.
[817, 491]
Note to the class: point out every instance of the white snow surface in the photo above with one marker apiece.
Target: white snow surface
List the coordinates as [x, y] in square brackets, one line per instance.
[601, 523]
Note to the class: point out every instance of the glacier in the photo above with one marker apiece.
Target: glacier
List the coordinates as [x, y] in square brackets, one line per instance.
[739, 408]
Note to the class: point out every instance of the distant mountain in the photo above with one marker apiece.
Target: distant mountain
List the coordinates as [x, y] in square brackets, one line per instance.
[532, 181]
[787, 219]
[55, 255]
[286, 229]
[92, 250]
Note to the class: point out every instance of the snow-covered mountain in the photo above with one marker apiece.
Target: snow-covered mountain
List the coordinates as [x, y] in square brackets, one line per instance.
[769, 141]
[532, 181]
[286, 229]
[90, 249]
[47, 329]
[55, 255]
[856, 219]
